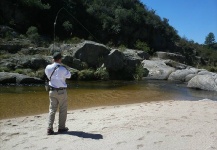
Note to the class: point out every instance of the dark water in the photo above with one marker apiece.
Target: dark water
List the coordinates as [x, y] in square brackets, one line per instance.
[32, 100]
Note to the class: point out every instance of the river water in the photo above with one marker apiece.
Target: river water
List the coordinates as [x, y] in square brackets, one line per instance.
[18, 101]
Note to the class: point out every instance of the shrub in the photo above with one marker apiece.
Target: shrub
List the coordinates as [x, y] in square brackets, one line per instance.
[143, 46]
[67, 25]
[4, 56]
[122, 48]
[40, 73]
[140, 72]
[74, 40]
[87, 74]
[4, 69]
[19, 71]
[32, 34]
[102, 74]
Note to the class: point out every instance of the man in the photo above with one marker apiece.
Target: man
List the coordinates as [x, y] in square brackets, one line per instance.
[57, 75]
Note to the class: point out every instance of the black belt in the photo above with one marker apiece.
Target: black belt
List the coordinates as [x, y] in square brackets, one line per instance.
[52, 88]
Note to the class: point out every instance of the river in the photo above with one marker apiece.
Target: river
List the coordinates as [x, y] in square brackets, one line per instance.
[16, 101]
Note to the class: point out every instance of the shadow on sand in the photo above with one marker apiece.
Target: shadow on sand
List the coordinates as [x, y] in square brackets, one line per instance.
[84, 135]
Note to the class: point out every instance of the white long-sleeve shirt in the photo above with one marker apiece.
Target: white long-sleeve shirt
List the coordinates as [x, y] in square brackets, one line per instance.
[58, 79]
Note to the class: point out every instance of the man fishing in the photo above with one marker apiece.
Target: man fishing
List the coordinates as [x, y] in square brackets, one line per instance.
[57, 75]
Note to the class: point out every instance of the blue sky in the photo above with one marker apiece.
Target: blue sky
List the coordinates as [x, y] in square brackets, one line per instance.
[193, 19]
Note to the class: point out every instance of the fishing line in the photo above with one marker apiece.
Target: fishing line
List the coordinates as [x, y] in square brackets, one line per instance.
[75, 20]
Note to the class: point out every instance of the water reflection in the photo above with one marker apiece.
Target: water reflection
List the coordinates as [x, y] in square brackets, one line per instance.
[30, 100]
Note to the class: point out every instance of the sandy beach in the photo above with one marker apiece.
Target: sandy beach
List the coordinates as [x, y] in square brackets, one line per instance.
[162, 125]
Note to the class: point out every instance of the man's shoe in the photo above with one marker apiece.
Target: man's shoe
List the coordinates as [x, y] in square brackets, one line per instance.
[63, 130]
[50, 132]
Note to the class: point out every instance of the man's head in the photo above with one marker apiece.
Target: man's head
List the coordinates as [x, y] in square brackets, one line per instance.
[57, 56]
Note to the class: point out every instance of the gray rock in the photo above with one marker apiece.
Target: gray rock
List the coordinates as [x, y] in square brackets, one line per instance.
[204, 82]
[174, 64]
[157, 69]
[180, 75]
[73, 62]
[15, 78]
[189, 77]
[172, 56]
[115, 60]
[92, 53]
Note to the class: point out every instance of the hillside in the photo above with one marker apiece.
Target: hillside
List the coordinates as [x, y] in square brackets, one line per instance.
[117, 23]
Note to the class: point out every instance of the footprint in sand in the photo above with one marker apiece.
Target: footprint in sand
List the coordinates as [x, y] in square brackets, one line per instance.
[37, 116]
[158, 142]
[14, 134]
[140, 146]
[122, 142]
[187, 136]
[184, 117]
[142, 138]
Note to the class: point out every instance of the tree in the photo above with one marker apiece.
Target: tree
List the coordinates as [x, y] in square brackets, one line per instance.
[210, 39]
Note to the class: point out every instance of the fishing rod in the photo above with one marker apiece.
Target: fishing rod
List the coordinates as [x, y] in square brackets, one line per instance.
[55, 21]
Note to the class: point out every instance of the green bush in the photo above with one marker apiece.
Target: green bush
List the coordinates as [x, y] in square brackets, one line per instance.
[143, 46]
[67, 25]
[102, 74]
[74, 40]
[39, 73]
[4, 69]
[122, 48]
[20, 71]
[87, 74]
[32, 34]
[139, 72]
[4, 56]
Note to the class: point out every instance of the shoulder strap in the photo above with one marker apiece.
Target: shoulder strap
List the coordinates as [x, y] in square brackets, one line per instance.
[53, 71]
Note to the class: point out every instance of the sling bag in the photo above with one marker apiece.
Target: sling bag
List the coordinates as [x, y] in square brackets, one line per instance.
[47, 87]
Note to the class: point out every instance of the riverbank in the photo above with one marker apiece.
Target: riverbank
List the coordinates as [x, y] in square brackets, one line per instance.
[162, 125]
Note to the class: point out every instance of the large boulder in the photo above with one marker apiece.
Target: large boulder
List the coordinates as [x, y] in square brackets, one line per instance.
[92, 53]
[183, 75]
[115, 60]
[15, 78]
[204, 82]
[157, 69]
[73, 62]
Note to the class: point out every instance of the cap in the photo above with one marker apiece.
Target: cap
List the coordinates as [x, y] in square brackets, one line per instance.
[57, 55]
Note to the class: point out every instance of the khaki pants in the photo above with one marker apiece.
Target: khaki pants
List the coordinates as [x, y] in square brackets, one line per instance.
[57, 98]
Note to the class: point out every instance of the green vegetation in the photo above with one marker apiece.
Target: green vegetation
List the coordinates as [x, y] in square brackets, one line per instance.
[102, 74]
[143, 46]
[210, 39]
[139, 72]
[86, 74]
[90, 74]
[116, 23]
[32, 34]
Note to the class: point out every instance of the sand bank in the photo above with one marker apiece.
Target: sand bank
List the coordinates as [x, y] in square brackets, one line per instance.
[164, 125]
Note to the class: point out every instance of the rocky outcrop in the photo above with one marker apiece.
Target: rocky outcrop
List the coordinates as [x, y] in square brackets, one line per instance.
[204, 82]
[157, 69]
[115, 60]
[182, 75]
[92, 53]
[25, 61]
[15, 78]
[172, 56]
